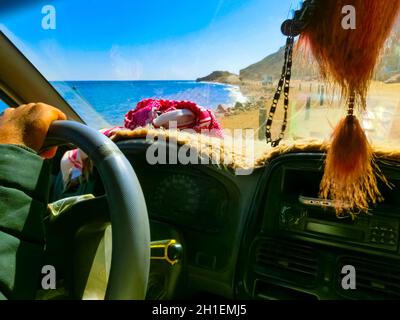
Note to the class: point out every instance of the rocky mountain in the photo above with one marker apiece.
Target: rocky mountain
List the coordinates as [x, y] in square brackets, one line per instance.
[270, 66]
[389, 68]
[304, 67]
[221, 77]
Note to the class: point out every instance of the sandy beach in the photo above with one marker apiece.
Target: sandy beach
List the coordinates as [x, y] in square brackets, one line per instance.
[317, 118]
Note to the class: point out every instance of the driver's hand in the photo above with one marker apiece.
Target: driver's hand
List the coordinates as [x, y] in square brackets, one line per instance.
[28, 125]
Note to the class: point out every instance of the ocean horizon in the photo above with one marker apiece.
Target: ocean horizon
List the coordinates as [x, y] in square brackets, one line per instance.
[105, 102]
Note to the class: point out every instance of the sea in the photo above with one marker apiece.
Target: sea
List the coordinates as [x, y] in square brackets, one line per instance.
[104, 103]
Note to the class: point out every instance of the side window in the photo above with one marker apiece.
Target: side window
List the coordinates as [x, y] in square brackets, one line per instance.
[3, 105]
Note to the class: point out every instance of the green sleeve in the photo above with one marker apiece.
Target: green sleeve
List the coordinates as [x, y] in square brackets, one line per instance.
[24, 185]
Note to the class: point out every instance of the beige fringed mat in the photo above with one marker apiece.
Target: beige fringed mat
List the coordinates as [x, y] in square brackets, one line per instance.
[245, 157]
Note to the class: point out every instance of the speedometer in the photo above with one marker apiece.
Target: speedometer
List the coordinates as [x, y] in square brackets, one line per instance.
[177, 194]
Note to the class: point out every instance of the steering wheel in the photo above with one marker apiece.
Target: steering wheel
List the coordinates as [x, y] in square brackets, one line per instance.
[130, 259]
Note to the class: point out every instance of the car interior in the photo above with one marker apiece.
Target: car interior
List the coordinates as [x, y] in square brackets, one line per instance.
[213, 234]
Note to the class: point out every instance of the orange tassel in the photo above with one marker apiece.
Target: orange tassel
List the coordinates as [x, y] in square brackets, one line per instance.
[349, 176]
[349, 57]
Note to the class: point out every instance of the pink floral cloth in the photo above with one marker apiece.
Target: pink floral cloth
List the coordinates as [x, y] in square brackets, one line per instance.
[148, 112]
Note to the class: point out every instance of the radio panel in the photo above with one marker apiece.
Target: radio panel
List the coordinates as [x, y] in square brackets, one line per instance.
[371, 230]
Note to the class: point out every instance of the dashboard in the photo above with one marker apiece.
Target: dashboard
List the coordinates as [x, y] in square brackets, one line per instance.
[266, 235]
[207, 207]
[299, 248]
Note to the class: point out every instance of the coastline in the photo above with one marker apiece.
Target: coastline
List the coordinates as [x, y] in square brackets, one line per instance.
[246, 96]
[235, 91]
[314, 109]
[244, 114]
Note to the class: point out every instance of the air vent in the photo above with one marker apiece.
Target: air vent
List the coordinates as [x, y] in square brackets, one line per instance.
[373, 280]
[287, 261]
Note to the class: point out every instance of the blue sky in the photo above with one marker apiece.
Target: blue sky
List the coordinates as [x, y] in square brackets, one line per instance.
[147, 39]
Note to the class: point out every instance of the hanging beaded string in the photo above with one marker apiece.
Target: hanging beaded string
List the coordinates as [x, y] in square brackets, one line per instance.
[290, 28]
[284, 83]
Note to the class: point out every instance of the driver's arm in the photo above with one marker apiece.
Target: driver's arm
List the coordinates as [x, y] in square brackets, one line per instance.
[24, 184]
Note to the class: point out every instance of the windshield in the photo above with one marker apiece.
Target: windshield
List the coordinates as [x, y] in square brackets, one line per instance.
[104, 57]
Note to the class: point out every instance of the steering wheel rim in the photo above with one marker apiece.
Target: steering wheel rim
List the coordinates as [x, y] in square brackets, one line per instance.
[130, 258]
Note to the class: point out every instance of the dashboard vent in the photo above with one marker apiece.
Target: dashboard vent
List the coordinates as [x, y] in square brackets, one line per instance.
[287, 260]
[373, 280]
